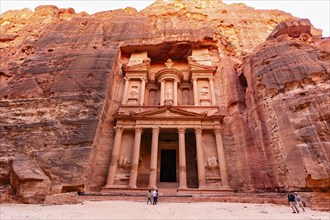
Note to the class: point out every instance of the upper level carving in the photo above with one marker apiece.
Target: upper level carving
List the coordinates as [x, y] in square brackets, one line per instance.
[186, 82]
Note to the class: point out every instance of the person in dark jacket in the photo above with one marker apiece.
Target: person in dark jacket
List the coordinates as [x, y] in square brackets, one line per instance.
[292, 202]
[154, 195]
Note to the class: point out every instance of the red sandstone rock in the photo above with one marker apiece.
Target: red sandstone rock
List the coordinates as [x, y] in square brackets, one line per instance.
[63, 198]
[285, 114]
[60, 85]
[292, 28]
[28, 181]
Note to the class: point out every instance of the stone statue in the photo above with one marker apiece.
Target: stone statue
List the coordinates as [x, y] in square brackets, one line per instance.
[212, 162]
[204, 91]
[124, 162]
[168, 92]
[134, 93]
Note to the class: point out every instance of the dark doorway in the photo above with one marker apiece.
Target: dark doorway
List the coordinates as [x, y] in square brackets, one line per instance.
[191, 155]
[168, 166]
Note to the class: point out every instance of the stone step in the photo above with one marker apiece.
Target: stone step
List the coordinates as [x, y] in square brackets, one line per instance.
[165, 191]
[311, 199]
[169, 196]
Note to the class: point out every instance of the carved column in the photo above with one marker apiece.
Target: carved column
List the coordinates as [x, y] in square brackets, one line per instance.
[162, 92]
[182, 159]
[212, 91]
[124, 99]
[153, 159]
[143, 88]
[195, 91]
[175, 85]
[222, 159]
[200, 158]
[114, 156]
[135, 158]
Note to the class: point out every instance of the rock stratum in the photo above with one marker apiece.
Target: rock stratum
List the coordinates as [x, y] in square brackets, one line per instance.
[59, 87]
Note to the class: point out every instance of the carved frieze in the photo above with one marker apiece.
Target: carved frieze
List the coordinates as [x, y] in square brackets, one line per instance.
[171, 123]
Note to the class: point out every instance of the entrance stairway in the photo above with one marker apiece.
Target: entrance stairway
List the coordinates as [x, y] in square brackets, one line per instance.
[173, 195]
[311, 199]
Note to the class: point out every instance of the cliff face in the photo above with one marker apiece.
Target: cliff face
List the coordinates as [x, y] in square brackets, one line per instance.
[281, 117]
[60, 85]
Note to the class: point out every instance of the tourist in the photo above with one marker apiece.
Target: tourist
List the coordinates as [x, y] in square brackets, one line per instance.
[154, 194]
[298, 201]
[291, 199]
[149, 195]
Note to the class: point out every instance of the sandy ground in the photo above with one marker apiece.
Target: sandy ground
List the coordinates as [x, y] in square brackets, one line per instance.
[139, 210]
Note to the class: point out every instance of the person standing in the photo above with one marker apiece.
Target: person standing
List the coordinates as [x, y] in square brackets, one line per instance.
[291, 199]
[149, 195]
[154, 195]
[298, 201]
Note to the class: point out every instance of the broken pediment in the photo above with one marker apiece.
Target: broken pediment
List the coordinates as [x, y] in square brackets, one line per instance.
[196, 67]
[169, 111]
[202, 56]
[137, 68]
[137, 58]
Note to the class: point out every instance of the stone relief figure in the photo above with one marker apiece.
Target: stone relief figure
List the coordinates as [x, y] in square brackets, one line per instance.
[134, 92]
[186, 100]
[212, 163]
[204, 91]
[124, 162]
[168, 92]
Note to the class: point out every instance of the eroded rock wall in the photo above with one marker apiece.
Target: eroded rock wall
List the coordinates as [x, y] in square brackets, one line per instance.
[279, 138]
[53, 85]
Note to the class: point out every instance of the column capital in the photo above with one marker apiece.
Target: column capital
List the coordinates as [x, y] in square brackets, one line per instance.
[119, 129]
[143, 79]
[198, 130]
[210, 78]
[181, 130]
[217, 131]
[138, 130]
[127, 78]
[155, 129]
[194, 78]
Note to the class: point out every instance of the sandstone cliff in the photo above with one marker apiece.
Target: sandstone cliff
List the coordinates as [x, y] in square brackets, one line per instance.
[281, 117]
[59, 88]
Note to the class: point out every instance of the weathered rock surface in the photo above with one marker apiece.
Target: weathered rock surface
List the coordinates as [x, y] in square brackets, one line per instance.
[59, 88]
[292, 28]
[283, 124]
[28, 180]
[63, 198]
